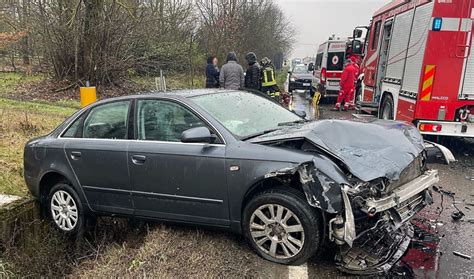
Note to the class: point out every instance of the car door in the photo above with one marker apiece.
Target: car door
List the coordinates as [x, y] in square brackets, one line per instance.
[97, 152]
[174, 180]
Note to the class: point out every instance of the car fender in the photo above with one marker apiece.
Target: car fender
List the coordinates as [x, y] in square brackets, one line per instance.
[71, 178]
[320, 179]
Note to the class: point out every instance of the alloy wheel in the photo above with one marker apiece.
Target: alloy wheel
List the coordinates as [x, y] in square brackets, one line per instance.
[64, 210]
[277, 231]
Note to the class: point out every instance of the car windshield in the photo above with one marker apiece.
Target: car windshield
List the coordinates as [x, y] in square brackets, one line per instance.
[245, 114]
[300, 69]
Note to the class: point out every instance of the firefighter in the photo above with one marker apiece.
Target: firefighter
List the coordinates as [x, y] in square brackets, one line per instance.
[355, 68]
[347, 86]
[269, 84]
[252, 75]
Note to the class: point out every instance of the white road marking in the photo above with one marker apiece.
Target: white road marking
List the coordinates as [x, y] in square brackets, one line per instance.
[298, 271]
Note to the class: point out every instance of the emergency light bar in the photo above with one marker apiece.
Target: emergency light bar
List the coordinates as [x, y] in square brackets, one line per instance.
[437, 23]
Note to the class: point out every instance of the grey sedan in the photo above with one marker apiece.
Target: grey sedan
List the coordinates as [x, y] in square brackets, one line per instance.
[238, 161]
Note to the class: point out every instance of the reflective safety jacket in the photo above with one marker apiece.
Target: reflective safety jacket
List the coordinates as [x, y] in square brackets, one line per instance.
[268, 76]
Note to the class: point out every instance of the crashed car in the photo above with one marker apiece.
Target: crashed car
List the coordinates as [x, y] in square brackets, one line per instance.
[238, 161]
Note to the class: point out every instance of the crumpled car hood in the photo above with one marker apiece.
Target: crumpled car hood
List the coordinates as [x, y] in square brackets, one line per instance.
[370, 149]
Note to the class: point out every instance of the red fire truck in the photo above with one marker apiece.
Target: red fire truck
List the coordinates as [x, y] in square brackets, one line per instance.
[418, 65]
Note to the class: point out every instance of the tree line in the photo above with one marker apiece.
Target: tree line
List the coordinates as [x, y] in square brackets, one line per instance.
[103, 41]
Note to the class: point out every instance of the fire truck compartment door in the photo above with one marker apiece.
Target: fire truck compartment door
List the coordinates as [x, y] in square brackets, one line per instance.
[399, 45]
[467, 91]
[416, 48]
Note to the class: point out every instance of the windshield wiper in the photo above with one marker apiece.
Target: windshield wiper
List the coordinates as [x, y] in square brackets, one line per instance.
[292, 122]
[258, 134]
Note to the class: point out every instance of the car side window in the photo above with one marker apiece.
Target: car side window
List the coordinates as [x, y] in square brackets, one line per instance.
[72, 131]
[108, 121]
[161, 120]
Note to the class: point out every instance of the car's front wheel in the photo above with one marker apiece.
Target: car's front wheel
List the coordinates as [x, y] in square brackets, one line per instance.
[65, 209]
[281, 226]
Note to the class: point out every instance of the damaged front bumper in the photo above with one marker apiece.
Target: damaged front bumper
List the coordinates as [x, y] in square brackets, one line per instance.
[375, 249]
[402, 193]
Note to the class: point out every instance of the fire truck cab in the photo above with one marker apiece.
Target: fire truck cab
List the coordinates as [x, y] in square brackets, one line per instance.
[419, 67]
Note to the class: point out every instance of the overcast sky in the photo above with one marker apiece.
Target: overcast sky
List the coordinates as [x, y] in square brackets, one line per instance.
[316, 20]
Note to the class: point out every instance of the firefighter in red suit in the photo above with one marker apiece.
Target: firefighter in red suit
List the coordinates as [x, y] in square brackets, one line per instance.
[347, 86]
[356, 69]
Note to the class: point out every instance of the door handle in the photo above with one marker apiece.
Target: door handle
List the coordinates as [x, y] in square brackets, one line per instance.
[76, 155]
[138, 159]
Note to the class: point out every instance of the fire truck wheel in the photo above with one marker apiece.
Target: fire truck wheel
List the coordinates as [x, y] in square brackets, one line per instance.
[386, 110]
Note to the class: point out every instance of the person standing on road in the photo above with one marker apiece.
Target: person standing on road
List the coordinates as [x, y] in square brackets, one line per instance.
[232, 74]
[252, 76]
[347, 86]
[355, 68]
[212, 73]
[269, 84]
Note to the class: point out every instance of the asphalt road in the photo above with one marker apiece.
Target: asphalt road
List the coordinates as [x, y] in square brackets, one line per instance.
[437, 235]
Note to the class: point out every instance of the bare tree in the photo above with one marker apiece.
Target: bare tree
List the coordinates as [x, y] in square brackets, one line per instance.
[102, 41]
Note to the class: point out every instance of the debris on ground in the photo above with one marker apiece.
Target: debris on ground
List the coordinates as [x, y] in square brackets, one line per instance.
[459, 254]
[455, 215]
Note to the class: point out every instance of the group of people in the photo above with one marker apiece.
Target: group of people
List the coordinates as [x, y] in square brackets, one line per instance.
[258, 76]
[348, 85]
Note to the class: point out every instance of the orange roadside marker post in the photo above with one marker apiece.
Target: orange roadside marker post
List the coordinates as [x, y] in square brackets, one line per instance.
[88, 95]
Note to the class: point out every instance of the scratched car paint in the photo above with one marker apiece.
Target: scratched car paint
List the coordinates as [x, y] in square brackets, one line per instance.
[365, 179]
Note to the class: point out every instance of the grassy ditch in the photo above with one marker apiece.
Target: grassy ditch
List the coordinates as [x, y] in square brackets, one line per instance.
[117, 247]
[19, 122]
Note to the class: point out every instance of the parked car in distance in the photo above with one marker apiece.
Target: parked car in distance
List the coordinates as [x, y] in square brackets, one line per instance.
[238, 161]
[301, 78]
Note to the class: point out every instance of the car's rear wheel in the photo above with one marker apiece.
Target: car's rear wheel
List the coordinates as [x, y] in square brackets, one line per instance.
[65, 209]
[281, 226]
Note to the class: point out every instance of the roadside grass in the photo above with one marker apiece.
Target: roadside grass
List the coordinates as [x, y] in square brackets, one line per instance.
[19, 122]
[175, 252]
[121, 248]
[9, 81]
[173, 81]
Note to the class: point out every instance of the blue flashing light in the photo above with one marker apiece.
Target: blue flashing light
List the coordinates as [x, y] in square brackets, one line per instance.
[437, 23]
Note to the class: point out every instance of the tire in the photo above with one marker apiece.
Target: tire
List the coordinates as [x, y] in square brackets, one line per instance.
[305, 226]
[65, 209]
[387, 108]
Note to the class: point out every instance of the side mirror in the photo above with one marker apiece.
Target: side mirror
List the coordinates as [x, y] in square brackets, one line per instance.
[197, 135]
[300, 113]
[356, 47]
[357, 33]
[311, 67]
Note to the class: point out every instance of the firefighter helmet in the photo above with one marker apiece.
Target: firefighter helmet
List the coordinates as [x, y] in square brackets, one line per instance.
[266, 61]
